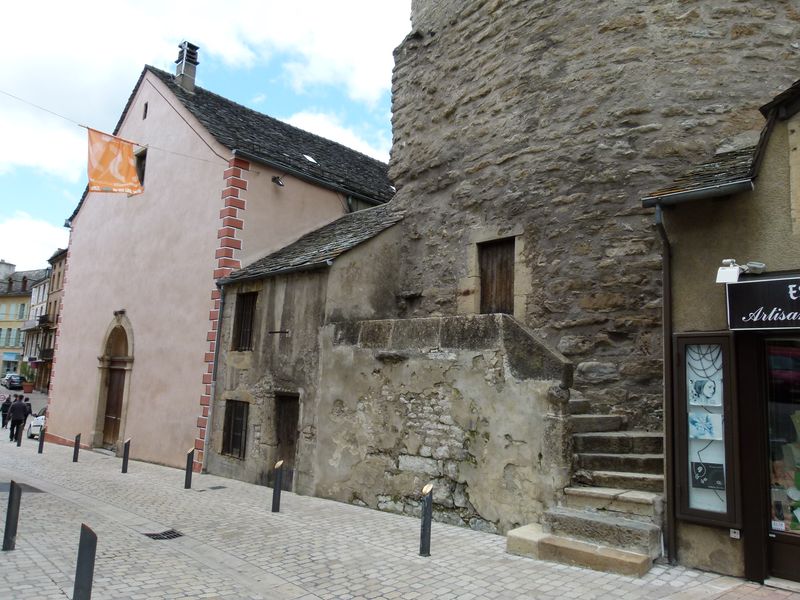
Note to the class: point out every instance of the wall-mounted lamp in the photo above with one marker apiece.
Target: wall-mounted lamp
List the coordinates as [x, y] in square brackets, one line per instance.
[119, 313]
[729, 271]
[277, 181]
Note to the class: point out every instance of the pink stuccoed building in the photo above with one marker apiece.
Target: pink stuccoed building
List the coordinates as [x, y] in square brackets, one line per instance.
[223, 186]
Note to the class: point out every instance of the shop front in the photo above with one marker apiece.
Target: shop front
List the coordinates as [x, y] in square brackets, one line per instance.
[731, 259]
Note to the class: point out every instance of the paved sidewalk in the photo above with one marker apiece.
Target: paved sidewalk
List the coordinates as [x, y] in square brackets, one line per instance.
[234, 547]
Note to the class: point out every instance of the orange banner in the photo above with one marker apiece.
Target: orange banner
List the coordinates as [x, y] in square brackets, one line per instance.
[112, 165]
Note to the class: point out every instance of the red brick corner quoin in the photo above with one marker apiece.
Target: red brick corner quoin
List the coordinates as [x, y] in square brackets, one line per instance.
[231, 223]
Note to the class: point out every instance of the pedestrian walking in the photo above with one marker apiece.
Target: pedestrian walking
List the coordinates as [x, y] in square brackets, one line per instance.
[4, 410]
[17, 414]
[28, 408]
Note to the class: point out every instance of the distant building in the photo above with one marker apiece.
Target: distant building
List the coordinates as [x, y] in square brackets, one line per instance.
[15, 296]
[48, 322]
[36, 333]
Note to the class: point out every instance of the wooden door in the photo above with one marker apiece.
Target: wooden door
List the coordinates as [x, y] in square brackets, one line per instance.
[288, 412]
[496, 263]
[116, 385]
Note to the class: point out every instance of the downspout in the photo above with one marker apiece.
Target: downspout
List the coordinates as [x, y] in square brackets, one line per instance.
[213, 394]
[671, 533]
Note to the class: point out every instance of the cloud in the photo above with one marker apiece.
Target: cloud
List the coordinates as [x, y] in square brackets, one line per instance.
[329, 126]
[28, 242]
[85, 60]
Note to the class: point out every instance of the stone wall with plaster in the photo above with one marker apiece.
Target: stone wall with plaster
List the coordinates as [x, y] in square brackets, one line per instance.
[474, 404]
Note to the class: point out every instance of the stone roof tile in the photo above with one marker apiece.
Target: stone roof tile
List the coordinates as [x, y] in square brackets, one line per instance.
[724, 169]
[321, 245]
[282, 145]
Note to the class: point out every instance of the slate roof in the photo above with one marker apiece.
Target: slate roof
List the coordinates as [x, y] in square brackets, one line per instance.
[724, 169]
[282, 145]
[786, 104]
[729, 172]
[275, 143]
[32, 277]
[321, 245]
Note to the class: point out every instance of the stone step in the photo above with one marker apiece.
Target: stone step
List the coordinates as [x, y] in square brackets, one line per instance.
[586, 423]
[633, 463]
[579, 406]
[604, 529]
[634, 503]
[638, 442]
[645, 482]
[533, 542]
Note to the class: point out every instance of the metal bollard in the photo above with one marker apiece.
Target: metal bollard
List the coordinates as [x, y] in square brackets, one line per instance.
[187, 482]
[276, 487]
[427, 515]
[126, 452]
[84, 569]
[41, 440]
[12, 516]
[77, 448]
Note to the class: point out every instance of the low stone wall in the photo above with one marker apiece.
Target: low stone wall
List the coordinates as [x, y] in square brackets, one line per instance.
[474, 404]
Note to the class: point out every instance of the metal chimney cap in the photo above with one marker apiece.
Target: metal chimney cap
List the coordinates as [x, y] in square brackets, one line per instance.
[188, 52]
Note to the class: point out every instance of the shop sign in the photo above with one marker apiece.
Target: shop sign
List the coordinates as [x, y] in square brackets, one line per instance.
[764, 304]
[11, 356]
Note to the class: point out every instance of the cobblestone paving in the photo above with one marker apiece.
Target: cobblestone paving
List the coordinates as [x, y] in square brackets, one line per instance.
[234, 547]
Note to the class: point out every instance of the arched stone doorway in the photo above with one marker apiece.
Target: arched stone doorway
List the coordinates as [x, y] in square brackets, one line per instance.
[115, 364]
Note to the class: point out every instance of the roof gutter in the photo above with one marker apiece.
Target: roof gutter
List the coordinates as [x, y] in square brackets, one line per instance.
[305, 176]
[713, 191]
[287, 270]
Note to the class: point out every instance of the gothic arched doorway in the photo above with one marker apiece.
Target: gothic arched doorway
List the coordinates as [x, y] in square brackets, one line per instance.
[115, 367]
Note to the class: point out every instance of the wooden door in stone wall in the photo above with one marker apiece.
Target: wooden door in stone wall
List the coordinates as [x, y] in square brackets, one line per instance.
[496, 263]
[116, 385]
[287, 409]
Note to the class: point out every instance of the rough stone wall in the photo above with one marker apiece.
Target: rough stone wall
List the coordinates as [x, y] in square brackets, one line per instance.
[559, 115]
[462, 402]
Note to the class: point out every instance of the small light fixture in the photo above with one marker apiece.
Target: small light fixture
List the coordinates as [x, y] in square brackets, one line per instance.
[277, 181]
[729, 271]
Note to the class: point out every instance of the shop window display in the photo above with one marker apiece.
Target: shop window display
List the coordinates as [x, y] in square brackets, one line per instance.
[783, 368]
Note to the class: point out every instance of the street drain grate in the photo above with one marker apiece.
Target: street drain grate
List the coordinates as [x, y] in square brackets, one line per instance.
[217, 487]
[169, 534]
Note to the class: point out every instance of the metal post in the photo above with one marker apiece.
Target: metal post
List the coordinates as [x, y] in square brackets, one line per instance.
[427, 515]
[12, 516]
[276, 487]
[126, 452]
[187, 483]
[84, 570]
[77, 448]
[41, 440]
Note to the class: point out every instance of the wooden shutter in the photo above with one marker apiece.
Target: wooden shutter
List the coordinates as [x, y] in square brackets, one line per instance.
[243, 321]
[496, 263]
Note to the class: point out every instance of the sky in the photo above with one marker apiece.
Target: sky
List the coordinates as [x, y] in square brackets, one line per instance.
[321, 65]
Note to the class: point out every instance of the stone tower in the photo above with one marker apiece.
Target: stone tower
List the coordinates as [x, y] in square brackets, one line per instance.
[546, 121]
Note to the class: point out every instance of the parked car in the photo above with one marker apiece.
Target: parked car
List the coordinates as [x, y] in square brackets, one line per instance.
[37, 424]
[14, 382]
[4, 380]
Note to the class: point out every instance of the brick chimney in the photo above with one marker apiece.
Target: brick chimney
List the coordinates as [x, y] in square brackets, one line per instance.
[186, 66]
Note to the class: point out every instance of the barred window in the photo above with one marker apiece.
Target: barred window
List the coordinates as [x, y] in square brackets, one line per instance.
[243, 321]
[234, 432]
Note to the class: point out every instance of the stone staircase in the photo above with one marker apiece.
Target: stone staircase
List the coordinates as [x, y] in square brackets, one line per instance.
[610, 517]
